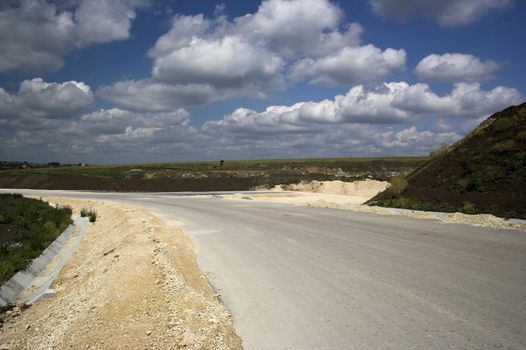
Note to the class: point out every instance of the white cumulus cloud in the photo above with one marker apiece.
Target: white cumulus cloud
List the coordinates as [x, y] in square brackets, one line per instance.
[351, 65]
[231, 62]
[389, 103]
[392, 118]
[298, 28]
[207, 59]
[101, 21]
[115, 121]
[37, 34]
[34, 35]
[38, 100]
[151, 95]
[455, 67]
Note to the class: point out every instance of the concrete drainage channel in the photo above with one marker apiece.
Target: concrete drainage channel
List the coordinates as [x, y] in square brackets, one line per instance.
[32, 284]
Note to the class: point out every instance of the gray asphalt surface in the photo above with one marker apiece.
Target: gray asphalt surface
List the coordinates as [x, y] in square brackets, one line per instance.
[312, 278]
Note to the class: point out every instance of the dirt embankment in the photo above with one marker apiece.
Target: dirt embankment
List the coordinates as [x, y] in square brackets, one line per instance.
[132, 284]
[485, 172]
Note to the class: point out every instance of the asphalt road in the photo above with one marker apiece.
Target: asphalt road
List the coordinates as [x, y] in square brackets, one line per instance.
[311, 278]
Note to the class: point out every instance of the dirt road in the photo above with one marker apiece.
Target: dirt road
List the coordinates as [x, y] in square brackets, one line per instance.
[132, 284]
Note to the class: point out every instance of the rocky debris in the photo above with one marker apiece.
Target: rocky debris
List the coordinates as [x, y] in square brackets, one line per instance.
[482, 220]
[187, 339]
[108, 252]
[10, 314]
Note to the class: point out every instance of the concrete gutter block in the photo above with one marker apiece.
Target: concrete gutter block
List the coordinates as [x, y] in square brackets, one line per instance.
[12, 288]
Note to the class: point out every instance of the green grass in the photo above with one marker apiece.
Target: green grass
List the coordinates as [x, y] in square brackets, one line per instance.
[89, 213]
[27, 227]
[84, 212]
[92, 216]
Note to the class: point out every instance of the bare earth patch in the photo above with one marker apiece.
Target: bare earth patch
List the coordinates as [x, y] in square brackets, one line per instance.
[133, 283]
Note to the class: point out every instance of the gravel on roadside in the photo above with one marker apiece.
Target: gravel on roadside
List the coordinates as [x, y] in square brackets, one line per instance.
[133, 283]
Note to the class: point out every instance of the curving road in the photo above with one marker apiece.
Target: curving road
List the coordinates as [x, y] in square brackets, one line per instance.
[311, 278]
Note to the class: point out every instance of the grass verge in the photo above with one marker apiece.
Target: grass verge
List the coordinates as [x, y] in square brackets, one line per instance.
[27, 227]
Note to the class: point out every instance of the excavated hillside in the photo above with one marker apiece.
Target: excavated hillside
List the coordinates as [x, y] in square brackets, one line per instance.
[485, 172]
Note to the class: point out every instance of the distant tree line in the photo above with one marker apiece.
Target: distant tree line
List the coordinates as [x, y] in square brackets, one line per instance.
[5, 165]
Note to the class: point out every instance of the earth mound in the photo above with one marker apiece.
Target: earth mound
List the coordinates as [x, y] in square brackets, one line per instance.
[485, 172]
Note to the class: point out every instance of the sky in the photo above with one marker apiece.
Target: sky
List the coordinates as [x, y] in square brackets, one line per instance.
[134, 81]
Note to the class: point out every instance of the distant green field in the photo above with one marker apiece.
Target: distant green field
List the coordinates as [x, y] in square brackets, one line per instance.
[227, 175]
[257, 164]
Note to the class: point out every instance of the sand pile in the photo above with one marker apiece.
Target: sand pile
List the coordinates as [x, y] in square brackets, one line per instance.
[367, 188]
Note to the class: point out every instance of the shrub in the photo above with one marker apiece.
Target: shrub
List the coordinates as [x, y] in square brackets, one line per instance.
[443, 148]
[493, 172]
[403, 202]
[421, 205]
[468, 208]
[67, 209]
[462, 184]
[468, 167]
[519, 163]
[473, 184]
[50, 226]
[92, 215]
[468, 184]
[504, 146]
[503, 124]
[398, 185]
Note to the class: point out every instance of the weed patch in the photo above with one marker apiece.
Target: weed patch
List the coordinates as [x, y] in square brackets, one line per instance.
[398, 185]
[91, 214]
[27, 227]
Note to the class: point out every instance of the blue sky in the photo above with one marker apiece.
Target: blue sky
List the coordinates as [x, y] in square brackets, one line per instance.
[129, 81]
